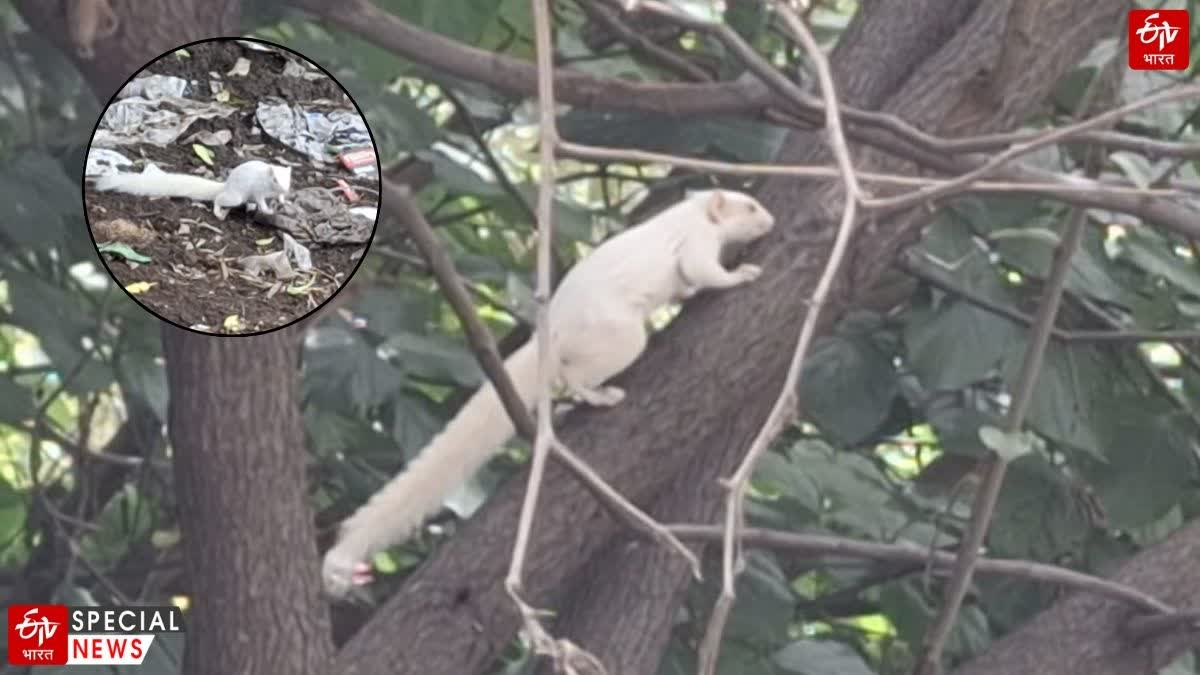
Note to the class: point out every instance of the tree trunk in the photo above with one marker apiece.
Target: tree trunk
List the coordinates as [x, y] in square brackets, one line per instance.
[248, 536]
[235, 422]
[703, 387]
[144, 29]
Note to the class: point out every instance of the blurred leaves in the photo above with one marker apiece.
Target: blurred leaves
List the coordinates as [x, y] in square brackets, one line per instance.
[883, 396]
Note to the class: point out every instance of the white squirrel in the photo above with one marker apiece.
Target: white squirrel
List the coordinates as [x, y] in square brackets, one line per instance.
[252, 181]
[597, 322]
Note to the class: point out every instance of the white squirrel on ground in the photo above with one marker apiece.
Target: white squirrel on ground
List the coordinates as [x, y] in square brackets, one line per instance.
[253, 181]
[597, 323]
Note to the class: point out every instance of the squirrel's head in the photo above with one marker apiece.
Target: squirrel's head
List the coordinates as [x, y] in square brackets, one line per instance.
[737, 215]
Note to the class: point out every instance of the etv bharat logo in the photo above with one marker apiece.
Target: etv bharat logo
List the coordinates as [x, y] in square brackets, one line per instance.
[37, 635]
[1159, 39]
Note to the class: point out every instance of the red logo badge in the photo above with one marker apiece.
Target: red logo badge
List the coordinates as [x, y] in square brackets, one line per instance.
[37, 635]
[1159, 39]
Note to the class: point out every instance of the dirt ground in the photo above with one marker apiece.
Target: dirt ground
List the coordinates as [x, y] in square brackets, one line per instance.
[192, 279]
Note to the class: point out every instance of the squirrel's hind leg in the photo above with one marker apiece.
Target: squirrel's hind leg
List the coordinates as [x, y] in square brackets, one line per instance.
[223, 202]
[596, 352]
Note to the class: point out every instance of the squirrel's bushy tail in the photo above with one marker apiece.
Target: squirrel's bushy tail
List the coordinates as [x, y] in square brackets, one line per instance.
[467, 442]
[153, 182]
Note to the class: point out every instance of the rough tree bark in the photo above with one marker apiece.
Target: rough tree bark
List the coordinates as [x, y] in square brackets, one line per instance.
[234, 420]
[248, 534]
[1080, 635]
[951, 67]
[145, 29]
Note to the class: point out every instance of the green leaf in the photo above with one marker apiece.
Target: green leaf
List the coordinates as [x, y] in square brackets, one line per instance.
[436, 359]
[1031, 250]
[1135, 167]
[123, 251]
[858, 499]
[1007, 445]
[389, 310]
[459, 179]
[343, 372]
[32, 188]
[416, 420]
[205, 154]
[1149, 462]
[823, 657]
[959, 343]
[16, 401]
[61, 320]
[405, 127]
[847, 387]
[330, 432]
[765, 601]
[749, 19]
[1072, 389]
[790, 479]
[13, 521]
[125, 520]
[1037, 515]
[1153, 253]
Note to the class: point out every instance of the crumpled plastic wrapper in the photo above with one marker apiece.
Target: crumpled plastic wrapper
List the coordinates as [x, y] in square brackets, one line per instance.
[159, 122]
[313, 133]
[318, 215]
[276, 262]
[101, 162]
[286, 264]
[153, 87]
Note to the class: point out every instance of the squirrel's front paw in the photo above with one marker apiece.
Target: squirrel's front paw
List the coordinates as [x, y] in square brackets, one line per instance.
[748, 273]
[341, 573]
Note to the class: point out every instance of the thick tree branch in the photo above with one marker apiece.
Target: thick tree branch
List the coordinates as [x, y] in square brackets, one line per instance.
[779, 99]
[515, 76]
[1082, 634]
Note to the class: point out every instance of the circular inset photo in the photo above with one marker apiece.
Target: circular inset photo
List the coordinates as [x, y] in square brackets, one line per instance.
[231, 187]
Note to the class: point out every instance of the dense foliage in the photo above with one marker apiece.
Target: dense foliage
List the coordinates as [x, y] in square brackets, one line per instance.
[892, 401]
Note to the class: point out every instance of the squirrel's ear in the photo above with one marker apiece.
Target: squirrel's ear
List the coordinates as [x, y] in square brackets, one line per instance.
[715, 206]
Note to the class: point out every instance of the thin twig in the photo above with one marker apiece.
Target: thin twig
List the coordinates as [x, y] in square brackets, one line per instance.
[489, 157]
[640, 44]
[785, 405]
[929, 663]
[398, 196]
[1046, 188]
[618, 505]
[905, 201]
[563, 653]
[845, 547]
[906, 263]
